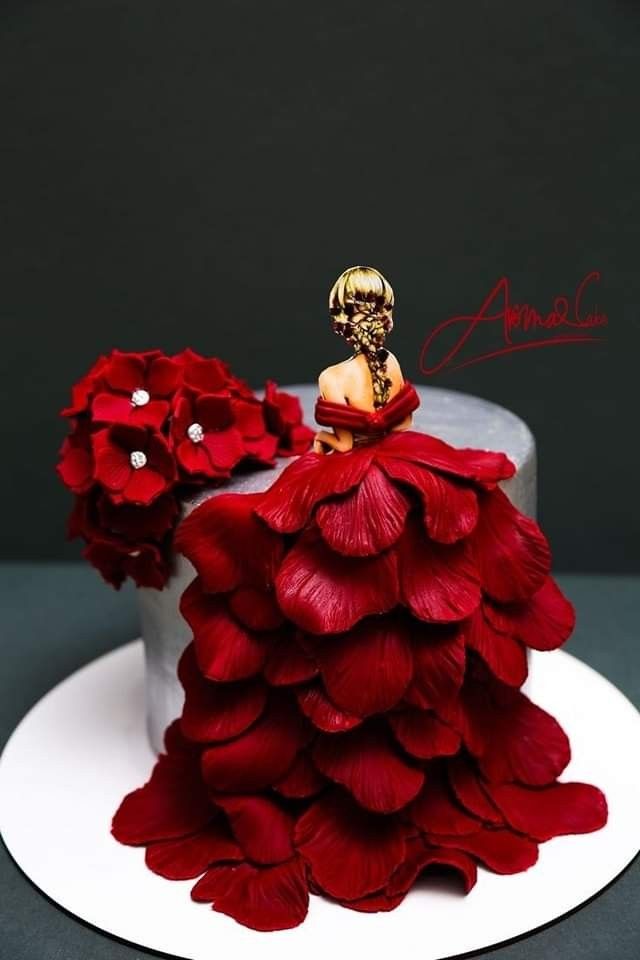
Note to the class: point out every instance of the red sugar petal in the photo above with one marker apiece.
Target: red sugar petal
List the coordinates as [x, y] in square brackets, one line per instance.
[256, 609]
[260, 757]
[435, 810]
[125, 371]
[173, 803]
[544, 622]
[512, 552]
[439, 663]
[112, 464]
[193, 458]
[189, 857]
[439, 583]
[289, 502]
[450, 509]
[351, 853]
[520, 741]
[302, 780]
[423, 735]
[324, 714]
[217, 711]
[367, 764]
[366, 520]
[375, 903]
[163, 376]
[225, 448]
[367, 670]
[143, 486]
[263, 898]
[479, 465]
[228, 544]
[111, 408]
[76, 468]
[469, 791]
[500, 850]
[287, 663]
[545, 812]
[505, 657]
[262, 828]
[324, 592]
[225, 650]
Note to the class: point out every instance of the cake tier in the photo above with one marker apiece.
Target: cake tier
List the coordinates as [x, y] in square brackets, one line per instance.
[460, 419]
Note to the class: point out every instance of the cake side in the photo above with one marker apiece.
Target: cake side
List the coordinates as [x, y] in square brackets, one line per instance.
[460, 419]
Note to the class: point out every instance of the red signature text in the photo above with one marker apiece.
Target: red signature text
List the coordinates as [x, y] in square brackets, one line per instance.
[523, 327]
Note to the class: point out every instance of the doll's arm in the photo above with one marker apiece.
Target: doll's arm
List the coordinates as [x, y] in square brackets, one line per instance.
[339, 439]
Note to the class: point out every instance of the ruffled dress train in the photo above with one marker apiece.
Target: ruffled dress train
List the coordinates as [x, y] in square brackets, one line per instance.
[353, 711]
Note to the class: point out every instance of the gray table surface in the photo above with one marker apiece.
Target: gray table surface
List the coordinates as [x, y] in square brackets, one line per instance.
[55, 618]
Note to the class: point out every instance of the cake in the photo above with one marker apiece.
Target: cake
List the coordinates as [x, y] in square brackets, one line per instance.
[336, 645]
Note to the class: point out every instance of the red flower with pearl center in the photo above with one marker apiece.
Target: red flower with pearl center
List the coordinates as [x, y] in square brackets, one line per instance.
[133, 464]
[138, 389]
[207, 441]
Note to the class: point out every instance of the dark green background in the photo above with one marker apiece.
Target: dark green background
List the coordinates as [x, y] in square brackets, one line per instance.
[199, 173]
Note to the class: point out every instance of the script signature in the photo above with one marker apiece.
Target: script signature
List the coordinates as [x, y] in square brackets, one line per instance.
[523, 327]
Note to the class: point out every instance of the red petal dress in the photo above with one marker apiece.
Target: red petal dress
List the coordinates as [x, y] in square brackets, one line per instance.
[353, 713]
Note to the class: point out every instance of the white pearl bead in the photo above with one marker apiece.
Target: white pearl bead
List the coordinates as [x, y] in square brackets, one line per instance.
[137, 459]
[195, 433]
[140, 398]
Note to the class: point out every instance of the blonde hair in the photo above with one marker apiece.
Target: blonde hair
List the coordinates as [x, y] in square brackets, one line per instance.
[360, 304]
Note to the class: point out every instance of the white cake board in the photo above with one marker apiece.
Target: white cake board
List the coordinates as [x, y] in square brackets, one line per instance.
[84, 746]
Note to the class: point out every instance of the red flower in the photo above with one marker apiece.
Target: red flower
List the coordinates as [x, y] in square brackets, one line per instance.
[135, 523]
[206, 375]
[133, 465]
[248, 415]
[137, 388]
[283, 416]
[76, 466]
[207, 442]
[83, 520]
[117, 560]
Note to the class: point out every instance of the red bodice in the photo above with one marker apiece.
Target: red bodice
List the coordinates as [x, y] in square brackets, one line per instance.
[368, 422]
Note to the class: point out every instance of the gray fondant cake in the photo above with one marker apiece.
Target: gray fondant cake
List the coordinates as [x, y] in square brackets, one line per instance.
[458, 418]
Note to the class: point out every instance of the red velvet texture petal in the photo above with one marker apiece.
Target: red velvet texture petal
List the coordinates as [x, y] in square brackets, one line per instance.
[228, 544]
[173, 803]
[350, 853]
[367, 670]
[324, 592]
[350, 526]
[263, 898]
[259, 757]
[217, 711]
[366, 762]
[224, 648]
[511, 551]
[189, 857]
[513, 738]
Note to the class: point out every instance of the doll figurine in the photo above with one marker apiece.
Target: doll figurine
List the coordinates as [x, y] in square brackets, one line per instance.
[360, 304]
[353, 708]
